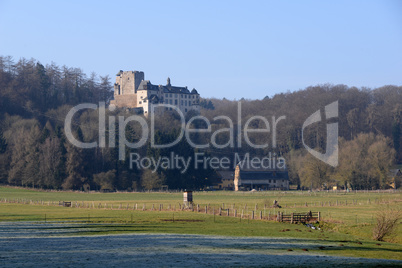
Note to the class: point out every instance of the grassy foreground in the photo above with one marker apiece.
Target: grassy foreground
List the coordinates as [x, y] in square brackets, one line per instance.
[347, 223]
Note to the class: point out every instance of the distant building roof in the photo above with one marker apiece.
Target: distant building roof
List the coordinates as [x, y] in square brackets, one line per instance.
[226, 174]
[264, 175]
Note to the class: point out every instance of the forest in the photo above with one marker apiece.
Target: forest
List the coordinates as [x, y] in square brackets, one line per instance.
[35, 152]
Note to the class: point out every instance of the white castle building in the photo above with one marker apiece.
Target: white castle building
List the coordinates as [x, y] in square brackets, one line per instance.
[132, 91]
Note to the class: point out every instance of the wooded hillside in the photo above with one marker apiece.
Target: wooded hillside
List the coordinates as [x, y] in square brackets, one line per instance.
[34, 151]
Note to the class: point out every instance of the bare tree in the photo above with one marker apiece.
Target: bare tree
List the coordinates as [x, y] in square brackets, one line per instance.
[387, 221]
[152, 180]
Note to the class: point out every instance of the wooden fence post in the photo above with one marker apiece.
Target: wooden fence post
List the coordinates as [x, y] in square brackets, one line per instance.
[291, 218]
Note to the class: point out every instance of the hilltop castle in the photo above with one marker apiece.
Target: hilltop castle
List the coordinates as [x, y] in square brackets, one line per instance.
[132, 91]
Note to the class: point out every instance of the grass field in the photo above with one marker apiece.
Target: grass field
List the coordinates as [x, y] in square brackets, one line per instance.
[347, 218]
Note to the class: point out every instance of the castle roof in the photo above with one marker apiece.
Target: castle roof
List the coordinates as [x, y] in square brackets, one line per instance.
[147, 85]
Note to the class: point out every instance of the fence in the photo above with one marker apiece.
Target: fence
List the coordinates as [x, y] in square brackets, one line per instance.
[299, 217]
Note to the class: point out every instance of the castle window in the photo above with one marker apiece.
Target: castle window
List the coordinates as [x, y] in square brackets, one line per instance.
[170, 101]
[170, 95]
[181, 102]
[175, 102]
[186, 110]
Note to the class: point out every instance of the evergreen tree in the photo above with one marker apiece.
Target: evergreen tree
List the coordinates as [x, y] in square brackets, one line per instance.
[3, 143]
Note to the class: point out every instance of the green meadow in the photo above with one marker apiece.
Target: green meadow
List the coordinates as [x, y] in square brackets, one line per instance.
[347, 219]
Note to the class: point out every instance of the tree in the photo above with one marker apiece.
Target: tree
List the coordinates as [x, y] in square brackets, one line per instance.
[50, 157]
[3, 143]
[106, 180]
[396, 136]
[386, 223]
[365, 161]
[74, 168]
[152, 180]
[314, 173]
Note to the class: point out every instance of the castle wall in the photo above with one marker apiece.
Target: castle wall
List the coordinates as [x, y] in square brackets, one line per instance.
[129, 101]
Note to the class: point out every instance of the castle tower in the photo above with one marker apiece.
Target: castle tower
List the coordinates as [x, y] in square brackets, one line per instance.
[125, 88]
[127, 83]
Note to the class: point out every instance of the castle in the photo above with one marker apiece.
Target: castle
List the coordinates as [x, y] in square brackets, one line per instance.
[132, 91]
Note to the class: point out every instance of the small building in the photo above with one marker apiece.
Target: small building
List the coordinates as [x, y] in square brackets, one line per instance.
[260, 179]
[226, 179]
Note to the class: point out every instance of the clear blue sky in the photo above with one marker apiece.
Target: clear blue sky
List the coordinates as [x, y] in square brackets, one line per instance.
[229, 49]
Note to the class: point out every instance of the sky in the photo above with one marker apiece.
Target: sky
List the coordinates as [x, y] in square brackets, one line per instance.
[224, 49]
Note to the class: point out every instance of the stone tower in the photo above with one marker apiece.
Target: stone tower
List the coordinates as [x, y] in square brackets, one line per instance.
[128, 82]
[125, 88]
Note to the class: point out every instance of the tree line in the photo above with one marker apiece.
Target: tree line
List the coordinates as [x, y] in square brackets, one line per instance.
[34, 151]
[369, 125]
